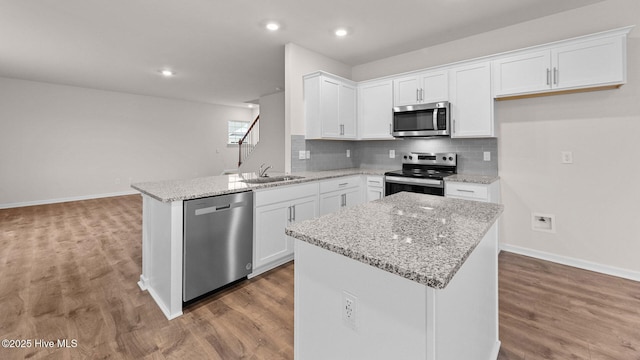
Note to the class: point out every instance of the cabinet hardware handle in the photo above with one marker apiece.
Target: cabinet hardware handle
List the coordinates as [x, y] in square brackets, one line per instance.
[417, 94]
[548, 76]
[293, 218]
[454, 126]
[390, 130]
[289, 214]
[421, 95]
[341, 129]
[343, 184]
[555, 76]
[466, 191]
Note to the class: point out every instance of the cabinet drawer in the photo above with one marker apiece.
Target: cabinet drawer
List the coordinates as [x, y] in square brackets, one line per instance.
[467, 191]
[375, 181]
[284, 193]
[339, 184]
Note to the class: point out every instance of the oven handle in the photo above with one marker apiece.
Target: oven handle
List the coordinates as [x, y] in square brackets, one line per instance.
[409, 181]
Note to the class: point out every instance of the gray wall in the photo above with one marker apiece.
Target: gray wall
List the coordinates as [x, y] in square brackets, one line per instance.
[270, 148]
[62, 142]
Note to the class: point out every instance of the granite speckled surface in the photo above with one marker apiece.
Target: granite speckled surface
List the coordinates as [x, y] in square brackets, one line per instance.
[420, 237]
[475, 179]
[176, 190]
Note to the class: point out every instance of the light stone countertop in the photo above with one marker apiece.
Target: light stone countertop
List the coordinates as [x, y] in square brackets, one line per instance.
[475, 179]
[176, 190]
[423, 238]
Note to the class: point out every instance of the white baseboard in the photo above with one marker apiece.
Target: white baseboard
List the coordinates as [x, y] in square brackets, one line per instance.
[61, 200]
[577, 263]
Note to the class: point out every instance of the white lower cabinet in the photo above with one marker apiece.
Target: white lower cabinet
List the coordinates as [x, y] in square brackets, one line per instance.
[339, 193]
[375, 187]
[471, 191]
[275, 209]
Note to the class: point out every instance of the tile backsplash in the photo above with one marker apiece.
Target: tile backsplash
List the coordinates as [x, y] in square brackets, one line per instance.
[331, 154]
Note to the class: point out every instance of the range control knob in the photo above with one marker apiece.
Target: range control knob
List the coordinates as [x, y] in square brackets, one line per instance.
[410, 157]
[450, 158]
[405, 157]
[444, 158]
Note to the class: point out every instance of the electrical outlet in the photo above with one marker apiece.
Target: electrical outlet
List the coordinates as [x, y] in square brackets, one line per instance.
[308, 154]
[487, 156]
[301, 155]
[543, 222]
[392, 154]
[567, 157]
[350, 310]
[348, 153]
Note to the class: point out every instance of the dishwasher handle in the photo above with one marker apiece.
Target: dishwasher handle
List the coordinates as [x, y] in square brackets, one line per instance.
[213, 209]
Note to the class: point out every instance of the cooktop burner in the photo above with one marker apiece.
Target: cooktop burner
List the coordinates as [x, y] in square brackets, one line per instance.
[427, 165]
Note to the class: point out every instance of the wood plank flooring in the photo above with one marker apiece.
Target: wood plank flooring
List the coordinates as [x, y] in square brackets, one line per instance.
[69, 271]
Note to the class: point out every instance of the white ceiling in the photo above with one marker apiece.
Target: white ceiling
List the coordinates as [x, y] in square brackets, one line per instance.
[219, 48]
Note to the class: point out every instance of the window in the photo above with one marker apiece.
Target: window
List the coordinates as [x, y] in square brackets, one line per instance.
[237, 129]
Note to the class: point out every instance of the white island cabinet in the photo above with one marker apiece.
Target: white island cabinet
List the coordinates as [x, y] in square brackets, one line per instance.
[411, 276]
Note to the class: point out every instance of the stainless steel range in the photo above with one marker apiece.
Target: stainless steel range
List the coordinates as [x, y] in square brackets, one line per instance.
[421, 173]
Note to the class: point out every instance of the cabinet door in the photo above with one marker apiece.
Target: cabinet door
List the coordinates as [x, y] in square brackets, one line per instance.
[347, 111]
[271, 242]
[305, 209]
[375, 110]
[330, 107]
[435, 86]
[405, 91]
[374, 193]
[471, 101]
[593, 63]
[331, 202]
[522, 73]
[353, 197]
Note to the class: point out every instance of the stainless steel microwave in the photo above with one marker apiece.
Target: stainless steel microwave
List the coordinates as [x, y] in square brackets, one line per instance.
[423, 120]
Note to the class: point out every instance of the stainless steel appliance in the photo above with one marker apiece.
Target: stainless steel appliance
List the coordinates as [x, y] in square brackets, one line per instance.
[423, 120]
[218, 242]
[421, 173]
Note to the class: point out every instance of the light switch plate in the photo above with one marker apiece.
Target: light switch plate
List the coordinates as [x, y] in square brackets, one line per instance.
[308, 154]
[487, 156]
[348, 153]
[567, 157]
[301, 155]
[392, 154]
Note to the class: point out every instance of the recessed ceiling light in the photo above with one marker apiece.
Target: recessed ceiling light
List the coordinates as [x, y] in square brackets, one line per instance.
[341, 32]
[272, 26]
[250, 106]
[167, 73]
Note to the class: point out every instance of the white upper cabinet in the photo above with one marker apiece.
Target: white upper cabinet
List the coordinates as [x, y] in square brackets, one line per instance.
[375, 109]
[329, 107]
[471, 101]
[422, 88]
[576, 64]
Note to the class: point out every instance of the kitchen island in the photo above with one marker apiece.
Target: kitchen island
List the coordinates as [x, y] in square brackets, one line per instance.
[163, 216]
[410, 276]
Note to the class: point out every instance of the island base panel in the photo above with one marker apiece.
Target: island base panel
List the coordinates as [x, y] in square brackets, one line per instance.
[395, 317]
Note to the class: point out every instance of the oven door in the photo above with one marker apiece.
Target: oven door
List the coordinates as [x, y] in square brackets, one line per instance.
[396, 184]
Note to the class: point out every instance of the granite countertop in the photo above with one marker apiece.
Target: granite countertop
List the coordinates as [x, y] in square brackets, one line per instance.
[475, 179]
[420, 237]
[176, 190]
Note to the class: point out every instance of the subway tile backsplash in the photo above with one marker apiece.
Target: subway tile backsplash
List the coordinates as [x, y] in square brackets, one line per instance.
[331, 154]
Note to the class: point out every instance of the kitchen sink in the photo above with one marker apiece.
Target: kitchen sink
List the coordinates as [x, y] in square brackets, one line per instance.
[269, 179]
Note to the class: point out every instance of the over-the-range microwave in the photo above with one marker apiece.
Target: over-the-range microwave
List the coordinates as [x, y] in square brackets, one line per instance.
[422, 120]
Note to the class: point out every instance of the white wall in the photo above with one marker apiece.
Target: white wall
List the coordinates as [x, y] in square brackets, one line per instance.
[60, 142]
[597, 210]
[298, 62]
[270, 148]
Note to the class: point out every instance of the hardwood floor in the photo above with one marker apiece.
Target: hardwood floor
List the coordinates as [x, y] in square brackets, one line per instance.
[69, 271]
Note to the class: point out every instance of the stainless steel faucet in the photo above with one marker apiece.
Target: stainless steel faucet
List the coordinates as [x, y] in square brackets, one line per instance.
[263, 173]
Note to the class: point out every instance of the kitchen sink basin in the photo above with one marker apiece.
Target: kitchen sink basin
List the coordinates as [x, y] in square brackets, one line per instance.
[269, 179]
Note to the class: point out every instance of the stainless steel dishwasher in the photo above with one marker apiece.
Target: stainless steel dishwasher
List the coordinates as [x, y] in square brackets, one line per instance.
[218, 242]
